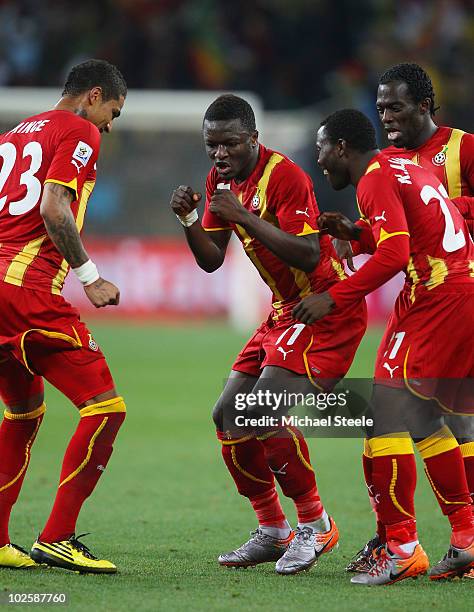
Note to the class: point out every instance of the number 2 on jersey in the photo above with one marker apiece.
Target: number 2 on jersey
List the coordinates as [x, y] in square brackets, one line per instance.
[33, 185]
[452, 240]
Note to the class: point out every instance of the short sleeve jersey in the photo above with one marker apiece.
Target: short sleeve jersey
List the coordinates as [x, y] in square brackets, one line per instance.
[398, 197]
[449, 154]
[281, 193]
[57, 147]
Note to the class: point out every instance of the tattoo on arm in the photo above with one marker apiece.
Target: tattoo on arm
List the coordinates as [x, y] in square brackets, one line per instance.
[61, 225]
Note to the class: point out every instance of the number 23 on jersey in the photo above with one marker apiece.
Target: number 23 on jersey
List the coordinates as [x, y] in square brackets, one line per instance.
[8, 153]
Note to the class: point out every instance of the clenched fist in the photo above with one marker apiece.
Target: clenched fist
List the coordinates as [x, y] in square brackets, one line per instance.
[226, 204]
[102, 293]
[184, 200]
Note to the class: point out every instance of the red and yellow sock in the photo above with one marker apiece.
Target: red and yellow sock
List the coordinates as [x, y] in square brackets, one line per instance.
[86, 458]
[17, 434]
[368, 467]
[394, 482]
[246, 462]
[444, 468]
[288, 456]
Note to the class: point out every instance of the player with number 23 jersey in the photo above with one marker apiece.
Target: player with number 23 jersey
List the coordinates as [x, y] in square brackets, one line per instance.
[53, 147]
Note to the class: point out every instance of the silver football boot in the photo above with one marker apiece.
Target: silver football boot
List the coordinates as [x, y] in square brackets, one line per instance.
[261, 548]
[388, 568]
[306, 548]
[456, 562]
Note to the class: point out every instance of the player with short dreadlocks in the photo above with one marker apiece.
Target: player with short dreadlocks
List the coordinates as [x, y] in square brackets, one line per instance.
[406, 106]
[425, 358]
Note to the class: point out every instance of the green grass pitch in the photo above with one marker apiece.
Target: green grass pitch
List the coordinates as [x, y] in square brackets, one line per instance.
[166, 506]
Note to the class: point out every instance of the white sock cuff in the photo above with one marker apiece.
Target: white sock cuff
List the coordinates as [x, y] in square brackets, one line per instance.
[321, 525]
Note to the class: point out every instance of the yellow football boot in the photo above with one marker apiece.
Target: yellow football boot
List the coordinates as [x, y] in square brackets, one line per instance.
[71, 555]
[15, 557]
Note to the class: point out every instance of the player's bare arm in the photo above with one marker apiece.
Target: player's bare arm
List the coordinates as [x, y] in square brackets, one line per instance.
[390, 258]
[208, 248]
[61, 227]
[300, 252]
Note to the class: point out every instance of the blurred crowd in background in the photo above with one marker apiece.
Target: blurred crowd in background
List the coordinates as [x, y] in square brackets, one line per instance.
[295, 54]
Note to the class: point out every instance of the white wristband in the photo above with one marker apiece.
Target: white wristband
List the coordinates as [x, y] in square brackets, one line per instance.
[189, 219]
[87, 273]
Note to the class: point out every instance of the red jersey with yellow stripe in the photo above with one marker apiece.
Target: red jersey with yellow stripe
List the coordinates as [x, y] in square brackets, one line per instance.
[449, 155]
[58, 147]
[398, 197]
[279, 192]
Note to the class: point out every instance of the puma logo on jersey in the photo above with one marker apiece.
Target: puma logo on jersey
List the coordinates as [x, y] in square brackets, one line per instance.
[101, 468]
[303, 212]
[281, 470]
[284, 353]
[389, 369]
[380, 217]
[223, 185]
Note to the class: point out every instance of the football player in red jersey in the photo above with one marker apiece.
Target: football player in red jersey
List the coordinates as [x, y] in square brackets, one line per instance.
[47, 175]
[406, 106]
[268, 201]
[414, 226]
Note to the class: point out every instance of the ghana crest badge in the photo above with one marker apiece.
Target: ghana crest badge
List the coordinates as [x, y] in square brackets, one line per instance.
[440, 158]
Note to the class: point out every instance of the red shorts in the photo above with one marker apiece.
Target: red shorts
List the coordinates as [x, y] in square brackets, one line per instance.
[41, 335]
[323, 351]
[428, 347]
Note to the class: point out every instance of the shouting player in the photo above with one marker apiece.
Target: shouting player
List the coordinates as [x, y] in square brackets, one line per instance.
[269, 202]
[47, 175]
[406, 106]
[414, 226]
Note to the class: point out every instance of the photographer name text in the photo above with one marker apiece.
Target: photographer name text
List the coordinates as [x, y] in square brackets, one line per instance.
[303, 421]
